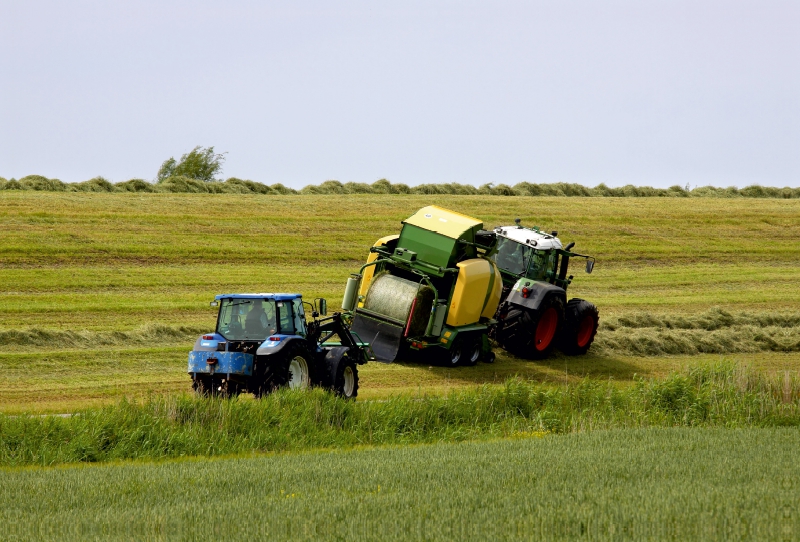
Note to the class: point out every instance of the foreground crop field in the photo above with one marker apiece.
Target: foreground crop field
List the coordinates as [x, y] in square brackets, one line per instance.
[102, 295]
[653, 484]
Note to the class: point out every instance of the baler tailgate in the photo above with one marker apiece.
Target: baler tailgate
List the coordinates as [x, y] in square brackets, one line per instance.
[383, 336]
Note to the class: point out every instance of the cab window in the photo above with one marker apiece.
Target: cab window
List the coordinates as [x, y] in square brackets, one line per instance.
[299, 317]
[286, 317]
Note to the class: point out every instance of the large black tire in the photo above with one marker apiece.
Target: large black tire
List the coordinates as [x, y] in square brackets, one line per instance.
[530, 333]
[202, 386]
[294, 368]
[209, 386]
[345, 380]
[581, 319]
[472, 350]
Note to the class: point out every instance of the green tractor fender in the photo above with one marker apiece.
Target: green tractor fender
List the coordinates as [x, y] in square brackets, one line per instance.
[532, 293]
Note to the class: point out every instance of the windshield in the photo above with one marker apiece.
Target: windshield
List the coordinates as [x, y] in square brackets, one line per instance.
[512, 256]
[246, 319]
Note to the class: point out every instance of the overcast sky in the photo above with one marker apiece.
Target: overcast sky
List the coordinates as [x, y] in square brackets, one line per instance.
[622, 92]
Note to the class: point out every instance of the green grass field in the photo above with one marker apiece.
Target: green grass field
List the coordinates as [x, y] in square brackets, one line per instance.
[647, 484]
[101, 295]
[668, 429]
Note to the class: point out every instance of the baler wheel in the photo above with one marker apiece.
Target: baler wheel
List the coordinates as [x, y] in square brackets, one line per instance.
[580, 327]
[472, 352]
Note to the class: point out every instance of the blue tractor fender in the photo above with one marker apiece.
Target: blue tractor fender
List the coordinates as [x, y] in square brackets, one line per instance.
[276, 343]
[531, 293]
[208, 345]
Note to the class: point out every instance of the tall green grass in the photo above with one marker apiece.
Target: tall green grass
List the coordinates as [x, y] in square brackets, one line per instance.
[643, 484]
[233, 185]
[177, 426]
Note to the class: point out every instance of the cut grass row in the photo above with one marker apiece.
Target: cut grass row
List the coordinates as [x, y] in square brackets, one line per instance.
[126, 298]
[167, 427]
[641, 484]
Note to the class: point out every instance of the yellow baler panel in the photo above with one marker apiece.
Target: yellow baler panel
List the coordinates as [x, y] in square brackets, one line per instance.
[370, 271]
[494, 297]
[469, 295]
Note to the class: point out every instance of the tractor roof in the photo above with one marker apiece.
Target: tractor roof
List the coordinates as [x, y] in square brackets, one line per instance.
[276, 297]
[544, 241]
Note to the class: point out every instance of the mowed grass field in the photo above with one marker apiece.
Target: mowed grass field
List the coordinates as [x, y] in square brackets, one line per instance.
[644, 484]
[101, 295]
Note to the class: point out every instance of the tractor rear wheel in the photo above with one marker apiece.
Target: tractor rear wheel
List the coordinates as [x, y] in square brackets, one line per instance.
[201, 386]
[294, 369]
[580, 327]
[532, 333]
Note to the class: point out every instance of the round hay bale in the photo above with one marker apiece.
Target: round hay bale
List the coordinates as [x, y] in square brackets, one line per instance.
[393, 297]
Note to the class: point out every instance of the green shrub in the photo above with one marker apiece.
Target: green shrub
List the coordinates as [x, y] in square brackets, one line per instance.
[200, 163]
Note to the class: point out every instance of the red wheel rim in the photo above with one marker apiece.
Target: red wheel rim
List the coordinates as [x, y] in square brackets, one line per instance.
[585, 330]
[546, 329]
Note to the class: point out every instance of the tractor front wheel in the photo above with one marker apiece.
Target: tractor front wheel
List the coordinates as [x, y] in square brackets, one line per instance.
[580, 327]
[532, 333]
[345, 381]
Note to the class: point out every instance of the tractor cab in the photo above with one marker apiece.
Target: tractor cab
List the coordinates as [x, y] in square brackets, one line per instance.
[528, 253]
[254, 317]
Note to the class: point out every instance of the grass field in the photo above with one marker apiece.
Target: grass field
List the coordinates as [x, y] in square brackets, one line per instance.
[648, 484]
[101, 295]
[670, 428]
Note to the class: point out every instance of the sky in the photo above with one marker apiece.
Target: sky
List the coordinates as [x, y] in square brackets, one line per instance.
[643, 92]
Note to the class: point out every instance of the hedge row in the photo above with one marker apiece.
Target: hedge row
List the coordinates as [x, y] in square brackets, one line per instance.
[382, 186]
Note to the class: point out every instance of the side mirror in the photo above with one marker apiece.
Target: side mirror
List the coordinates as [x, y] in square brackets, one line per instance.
[214, 304]
[589, 266]
[323, 307]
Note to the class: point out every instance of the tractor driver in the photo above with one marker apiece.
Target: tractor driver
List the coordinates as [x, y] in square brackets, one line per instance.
[258, 322]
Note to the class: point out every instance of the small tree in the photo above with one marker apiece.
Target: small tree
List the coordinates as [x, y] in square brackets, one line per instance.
[200, 163]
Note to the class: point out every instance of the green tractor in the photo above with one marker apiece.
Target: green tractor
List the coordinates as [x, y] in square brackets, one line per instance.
[534, 315]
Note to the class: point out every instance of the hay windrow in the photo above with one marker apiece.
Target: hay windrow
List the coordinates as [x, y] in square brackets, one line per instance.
[712, 332]
[635, 334]
[233, 185]
[57, 339]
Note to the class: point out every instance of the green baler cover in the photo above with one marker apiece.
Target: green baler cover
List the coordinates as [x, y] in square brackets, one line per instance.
[433, 233]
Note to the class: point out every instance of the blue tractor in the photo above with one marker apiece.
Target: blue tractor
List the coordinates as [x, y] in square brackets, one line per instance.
[262, 342]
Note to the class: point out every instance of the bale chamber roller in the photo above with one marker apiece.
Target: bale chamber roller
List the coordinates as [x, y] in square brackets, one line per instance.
[430, 288]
